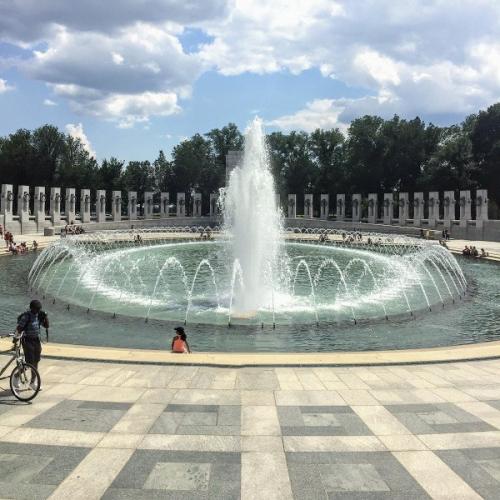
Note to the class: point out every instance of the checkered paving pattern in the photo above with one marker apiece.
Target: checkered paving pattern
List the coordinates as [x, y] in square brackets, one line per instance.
[113, 431]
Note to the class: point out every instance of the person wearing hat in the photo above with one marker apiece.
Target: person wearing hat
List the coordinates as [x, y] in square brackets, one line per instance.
[179, 342]
[30, 323]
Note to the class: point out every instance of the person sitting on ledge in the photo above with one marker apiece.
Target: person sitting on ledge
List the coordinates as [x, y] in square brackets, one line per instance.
[483, 254]
[474, 252]
[179, 342]
[34, 245]
[466, 251]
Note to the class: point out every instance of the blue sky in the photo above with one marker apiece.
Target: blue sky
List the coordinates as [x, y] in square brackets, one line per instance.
[130, 81]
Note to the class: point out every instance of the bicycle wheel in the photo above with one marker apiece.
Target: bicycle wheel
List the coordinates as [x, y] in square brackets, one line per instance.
[25, 382]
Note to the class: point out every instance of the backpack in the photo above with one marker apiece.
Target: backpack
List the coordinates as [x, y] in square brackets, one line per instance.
[42, 316]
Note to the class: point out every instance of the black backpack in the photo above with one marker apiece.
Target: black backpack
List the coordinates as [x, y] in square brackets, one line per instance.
[42, 316]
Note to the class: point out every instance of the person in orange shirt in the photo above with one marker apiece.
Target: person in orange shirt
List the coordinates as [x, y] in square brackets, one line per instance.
[179, 342]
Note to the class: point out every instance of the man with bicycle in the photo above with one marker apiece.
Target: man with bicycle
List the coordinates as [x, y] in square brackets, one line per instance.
[30, 323]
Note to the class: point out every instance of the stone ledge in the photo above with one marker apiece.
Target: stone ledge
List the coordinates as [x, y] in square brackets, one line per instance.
[480, 351]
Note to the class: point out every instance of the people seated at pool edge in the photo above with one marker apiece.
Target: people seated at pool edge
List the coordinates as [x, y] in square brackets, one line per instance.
[179, 342]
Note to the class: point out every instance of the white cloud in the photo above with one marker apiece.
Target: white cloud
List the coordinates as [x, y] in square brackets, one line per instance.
[49, 102]
[412, 57]
[76, 131]
[4, 87]
[123, 60]
[31, 20]
[320, 113]
[90, 70]
[117, 58]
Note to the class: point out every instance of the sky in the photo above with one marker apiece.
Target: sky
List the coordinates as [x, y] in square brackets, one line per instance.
[131, 77]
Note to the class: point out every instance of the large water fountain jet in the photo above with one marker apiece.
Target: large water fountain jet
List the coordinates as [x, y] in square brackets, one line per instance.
[253, 222]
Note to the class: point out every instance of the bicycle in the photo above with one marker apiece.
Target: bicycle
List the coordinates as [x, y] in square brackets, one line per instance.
[24, 379]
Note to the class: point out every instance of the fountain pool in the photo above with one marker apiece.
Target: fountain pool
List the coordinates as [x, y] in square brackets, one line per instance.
[251, 275]
[473, 318]
[195, 281]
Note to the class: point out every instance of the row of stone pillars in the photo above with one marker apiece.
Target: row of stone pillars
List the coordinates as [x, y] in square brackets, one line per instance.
[69, 196]
[401, 201]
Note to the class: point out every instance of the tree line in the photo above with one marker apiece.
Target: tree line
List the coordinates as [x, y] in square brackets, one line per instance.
[375, 155]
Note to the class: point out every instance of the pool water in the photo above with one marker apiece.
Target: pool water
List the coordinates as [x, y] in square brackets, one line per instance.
[474, 318]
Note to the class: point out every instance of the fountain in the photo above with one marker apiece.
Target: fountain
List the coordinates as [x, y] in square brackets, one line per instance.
[253, 223]
[253, 272]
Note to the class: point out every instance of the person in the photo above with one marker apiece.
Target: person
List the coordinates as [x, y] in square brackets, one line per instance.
[474, 252]
[34, 245]
[179, 342]
[484, 254]
[30, 323]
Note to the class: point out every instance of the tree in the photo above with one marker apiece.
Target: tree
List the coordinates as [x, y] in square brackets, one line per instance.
[223, 140]
[49, 144]
[485, 139]
[75, 167]
[162, 172]
[17, 158]
[139, 177]
[194, 166]
[451, 165]
[327, 153]
[110, 174]
[363, 156]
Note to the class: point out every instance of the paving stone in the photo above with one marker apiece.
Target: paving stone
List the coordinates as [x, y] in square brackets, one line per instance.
[438, 418]
[350, 475]
[34, 471]
[479, 468]
[175, 473]
[81, 416]
[320, 421]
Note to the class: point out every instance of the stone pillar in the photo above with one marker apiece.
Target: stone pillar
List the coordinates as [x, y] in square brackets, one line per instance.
[181, 204]
[481, 205]
[308, 206]
[23, 203]
[465, 208]
[148, 205]
[164, 202]
[85, 205]
[388, 207]
[372, 208]
[39, 206]
[132, 205]
[292, 206]
[100, 205]
[433, 205]
[70, 205]
[449, 208]
[324, 206]
[340, 214]
[197, 205]
[214, 204]
[403, 208]
[356, 207]
[418, 208]
[55, 205]
[116, 205]
[7, 202]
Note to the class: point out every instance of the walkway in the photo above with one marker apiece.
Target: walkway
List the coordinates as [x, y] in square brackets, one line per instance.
[140, 432]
